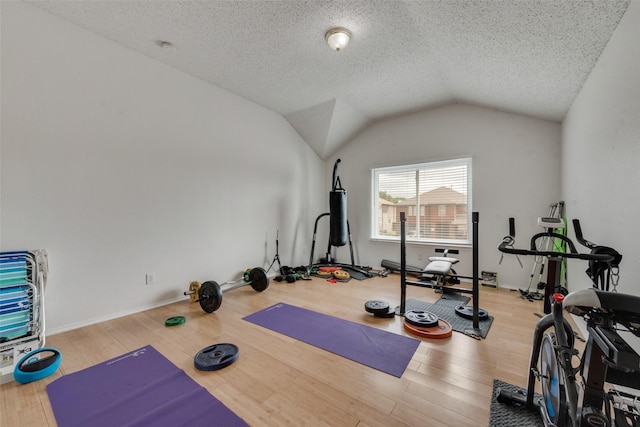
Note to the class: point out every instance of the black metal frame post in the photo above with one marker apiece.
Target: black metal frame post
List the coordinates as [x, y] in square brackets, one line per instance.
[313, 242]
[403, 266]
[475, 219]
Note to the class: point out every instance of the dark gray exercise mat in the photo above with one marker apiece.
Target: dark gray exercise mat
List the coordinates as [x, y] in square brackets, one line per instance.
[507, 415]
[445, 308]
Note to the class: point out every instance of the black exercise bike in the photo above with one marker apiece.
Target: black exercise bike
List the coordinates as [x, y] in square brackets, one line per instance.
[575, 395]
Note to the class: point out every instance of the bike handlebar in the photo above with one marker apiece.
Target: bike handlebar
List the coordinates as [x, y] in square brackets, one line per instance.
[579, 237]
[506, 245]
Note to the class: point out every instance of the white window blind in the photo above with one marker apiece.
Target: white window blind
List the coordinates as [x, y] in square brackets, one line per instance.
[439, 191]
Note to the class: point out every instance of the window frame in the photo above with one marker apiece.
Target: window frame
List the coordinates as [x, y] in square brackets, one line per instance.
[411, 237]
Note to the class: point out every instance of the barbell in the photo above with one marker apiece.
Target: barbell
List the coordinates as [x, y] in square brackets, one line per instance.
[209, 293]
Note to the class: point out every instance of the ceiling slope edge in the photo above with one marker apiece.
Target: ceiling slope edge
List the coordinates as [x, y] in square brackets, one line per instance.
[312, 124]
[329, 126]
[346, 123]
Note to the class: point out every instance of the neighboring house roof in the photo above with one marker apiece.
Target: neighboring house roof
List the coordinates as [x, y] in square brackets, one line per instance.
[384, 202]
[439, 196]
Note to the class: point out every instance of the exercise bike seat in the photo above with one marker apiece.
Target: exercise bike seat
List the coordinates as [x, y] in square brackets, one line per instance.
[624, 307]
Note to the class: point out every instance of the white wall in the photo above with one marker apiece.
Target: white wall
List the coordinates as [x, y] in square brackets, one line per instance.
[516, 172]
[0, 124]
[601, 153]
[120, 166]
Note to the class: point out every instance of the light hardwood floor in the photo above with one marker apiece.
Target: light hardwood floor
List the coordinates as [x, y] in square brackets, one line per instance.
[280, 381]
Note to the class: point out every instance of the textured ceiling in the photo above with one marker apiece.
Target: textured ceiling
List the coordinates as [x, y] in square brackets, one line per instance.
[524, 56]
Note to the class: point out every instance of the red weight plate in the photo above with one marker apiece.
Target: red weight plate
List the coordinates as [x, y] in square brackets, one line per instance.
[443, 330]
[329, 269]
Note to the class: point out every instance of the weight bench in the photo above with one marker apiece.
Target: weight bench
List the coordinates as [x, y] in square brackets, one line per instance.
[439, 270]
[440, 267]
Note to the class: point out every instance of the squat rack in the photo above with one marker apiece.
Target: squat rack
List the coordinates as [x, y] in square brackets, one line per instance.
[475, 281]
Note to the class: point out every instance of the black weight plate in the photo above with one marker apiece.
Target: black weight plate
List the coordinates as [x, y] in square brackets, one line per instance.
[391, 312]
[258, 279]
[210, 296]
[216, 357]
[466, 311]
[424, 319]
[375, 307]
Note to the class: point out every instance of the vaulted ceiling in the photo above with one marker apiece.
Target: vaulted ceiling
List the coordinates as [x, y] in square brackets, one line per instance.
[523, 56]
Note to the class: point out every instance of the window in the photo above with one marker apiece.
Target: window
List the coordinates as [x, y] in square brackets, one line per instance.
[439, 191]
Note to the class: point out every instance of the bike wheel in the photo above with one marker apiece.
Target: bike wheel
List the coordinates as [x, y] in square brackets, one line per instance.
[551, 382]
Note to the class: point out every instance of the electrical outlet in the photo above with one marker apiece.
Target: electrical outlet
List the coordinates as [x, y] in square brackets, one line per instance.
[150, 278]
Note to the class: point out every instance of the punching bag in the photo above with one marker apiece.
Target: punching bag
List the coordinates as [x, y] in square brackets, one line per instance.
[338, 218]
[338, 211]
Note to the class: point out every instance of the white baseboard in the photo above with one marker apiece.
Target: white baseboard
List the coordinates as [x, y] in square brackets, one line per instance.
[111, 316]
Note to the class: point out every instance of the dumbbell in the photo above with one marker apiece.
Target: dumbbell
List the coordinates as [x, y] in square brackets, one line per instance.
[209, 293]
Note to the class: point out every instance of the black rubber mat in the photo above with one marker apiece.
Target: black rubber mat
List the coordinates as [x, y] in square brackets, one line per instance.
[358, 273]
[508, 415]
[445, 309]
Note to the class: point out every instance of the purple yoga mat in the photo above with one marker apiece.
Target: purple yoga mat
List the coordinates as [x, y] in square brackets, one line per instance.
[141, 388]
[382, 350]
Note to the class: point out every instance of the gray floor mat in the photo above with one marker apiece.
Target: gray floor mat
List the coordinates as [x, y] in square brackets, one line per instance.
[445, 309]
[506, 415]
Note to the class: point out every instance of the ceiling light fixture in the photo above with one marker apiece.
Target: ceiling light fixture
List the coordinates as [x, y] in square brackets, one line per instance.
[338, 38]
